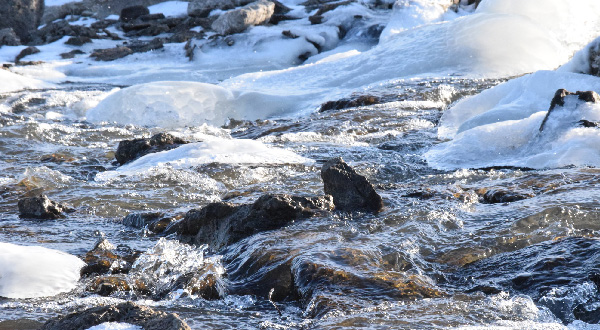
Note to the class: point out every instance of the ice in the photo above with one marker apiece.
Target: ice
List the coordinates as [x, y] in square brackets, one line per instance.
[115, 326]
[181, 104]
[49, 3]
[170, 8]
[35, 271]
[12, 82]
[501, 126]
[412, 13]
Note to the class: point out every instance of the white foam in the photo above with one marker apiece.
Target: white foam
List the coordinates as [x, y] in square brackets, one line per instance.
[35, 271]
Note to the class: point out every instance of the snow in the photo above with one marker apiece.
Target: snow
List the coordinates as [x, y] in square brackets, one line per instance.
[35, 271]
[115, 326]
[11, 82]
[170, 8]
[49, 3]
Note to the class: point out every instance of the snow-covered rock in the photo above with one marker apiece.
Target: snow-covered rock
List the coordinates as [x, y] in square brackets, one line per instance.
[238, 20]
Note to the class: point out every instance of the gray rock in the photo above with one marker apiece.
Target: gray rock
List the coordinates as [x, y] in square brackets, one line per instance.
[41, 207]
[238, 20]
[71, 54]
[8, 37]
[126, 312]
[23, 16]
[220, 224]
[201, 8]
[111, 54]
[350, 190]
[128, 14]
[26, 52]
[78, 41]
[495, 196]
[129, 150]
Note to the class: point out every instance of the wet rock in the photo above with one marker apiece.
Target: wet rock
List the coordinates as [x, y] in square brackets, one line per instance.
[146, 46]
[201, 8]
[78, 41]
[23, 16]
[105, 258]
[26, 52]
[220, 224]
[155, 222]
[360, 101]
[71, 54]
[206, 283]
[128, 14]
[238, 20]
[152, 17]
[41, 207]
[350, 190]
[494, 196]
[127, 312]
[107, 285]
[315, 19]
[111, 54]
[129, 150]
[560, 98]
[594, 59]
[8, 37]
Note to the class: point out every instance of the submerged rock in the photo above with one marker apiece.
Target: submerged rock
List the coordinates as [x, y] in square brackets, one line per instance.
[350, 103]
[220, 224]
[23, 16]
[238, 20]
[494, 196]
[560, 97]
[127, 312]
[155, 222]
[41, 207]
[129, 150]
[350, 190]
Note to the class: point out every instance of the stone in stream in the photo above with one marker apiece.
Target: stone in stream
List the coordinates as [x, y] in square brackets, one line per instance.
[156, 222]
[129, 150]
[350, 190]
[360, 101]
[126, 312]
[23, 16]
[559, 100]
[238, 20]
[220, 224]
[494, 196]
[105, 258]
[41, 207]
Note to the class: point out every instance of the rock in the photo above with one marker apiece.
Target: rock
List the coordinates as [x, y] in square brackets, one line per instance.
[23, 16]
[20, 324]
[146, 46]
[26, 52]
[111, 54]
[56, 30]
[78, 41]
[350, 191]
[105, 258]
[315, 19]
[41, 208]
[206, 283]
[71, 54]
[129, 150]
[220, 224]
[127, 312]
[8, 37]
[152, 17]
[155, 222]
[494, 196]
[128, 14]
[238, 20]
[559, 100]
[360, 101]
[201, 8]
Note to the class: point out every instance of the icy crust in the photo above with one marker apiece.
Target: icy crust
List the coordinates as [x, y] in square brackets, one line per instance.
[35, 271]
[12, 82]
[179, 104]
[501, 126]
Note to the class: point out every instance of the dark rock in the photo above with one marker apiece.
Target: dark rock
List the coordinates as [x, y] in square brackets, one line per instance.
[20, 324]
[331, 6]
[220, 224]
[103, 24]
[360, 101]
[71, 54]
[129, 150]
[183, 36]
[41, 208]
[276, 18]
[23, 16]
[588, 124]
[146, 46]
[202, 8]
[126, 312]
[56, 30]
[128, 14]
[111, 54]
[155, 222]
[105, 258]
[129, 27]
[152, 17]
[152, 30]
[205, 283]
[559, 100]
[78, 41]
[315, 19]
[289, 34]
[8, 37]
[350, 191]
[594, 59]
[494, 196]
[26, 52]
[238, 20]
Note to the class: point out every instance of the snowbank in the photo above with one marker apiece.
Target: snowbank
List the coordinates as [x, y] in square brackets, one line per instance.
[35, 271]
[12, 82]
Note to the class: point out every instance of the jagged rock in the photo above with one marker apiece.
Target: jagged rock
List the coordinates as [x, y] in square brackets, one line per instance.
[155, 222]
[238, 20]
[106, 258]
[559, 100]
[127, 312]
[41, 208]
[220, 224]
[360, 101]
[350, 190]
[8, 37]
[146, 46]
[111, 54]
[494, 196]
[78, 41]
[129, 150]
[206, 283]
[201, 8]
[71, 54]
[56, 30]
[23, 16]
[128, 14]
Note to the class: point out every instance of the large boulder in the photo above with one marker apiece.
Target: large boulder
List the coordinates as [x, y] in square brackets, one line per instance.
[220, 224]
[238, 20]
[23, 16]
[350, 190]
[8, 37]
[129, 150]
[130, 13]
[41, 207]
[126, 312]
[201, 8]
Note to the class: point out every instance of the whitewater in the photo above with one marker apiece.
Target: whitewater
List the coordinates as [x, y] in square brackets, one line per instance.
[491, 205]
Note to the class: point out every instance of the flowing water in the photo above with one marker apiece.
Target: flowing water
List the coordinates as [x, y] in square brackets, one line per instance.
[436, 257]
